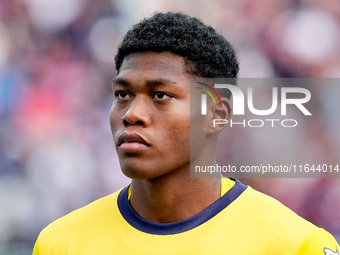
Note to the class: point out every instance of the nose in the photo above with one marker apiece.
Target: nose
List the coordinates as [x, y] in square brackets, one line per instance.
[138, 113]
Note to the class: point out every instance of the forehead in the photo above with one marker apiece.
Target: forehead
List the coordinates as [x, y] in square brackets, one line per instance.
[163, 63]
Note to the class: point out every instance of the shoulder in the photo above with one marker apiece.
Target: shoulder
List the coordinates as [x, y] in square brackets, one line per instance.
[273, 213]
[319, 241]
[96, 214]
[280, 228]
[272, 210]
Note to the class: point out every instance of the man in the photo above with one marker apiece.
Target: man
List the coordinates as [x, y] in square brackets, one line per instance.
[164, 211]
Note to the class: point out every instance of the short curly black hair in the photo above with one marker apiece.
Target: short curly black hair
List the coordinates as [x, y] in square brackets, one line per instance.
[207, 53]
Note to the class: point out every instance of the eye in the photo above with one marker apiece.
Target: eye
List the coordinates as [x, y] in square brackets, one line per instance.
[161, 96]
[121, 95]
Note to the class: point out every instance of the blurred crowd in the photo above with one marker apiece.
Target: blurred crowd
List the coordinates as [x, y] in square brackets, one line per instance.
[56, 67]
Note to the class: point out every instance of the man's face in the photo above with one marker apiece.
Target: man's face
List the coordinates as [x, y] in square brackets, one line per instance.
[150, 115]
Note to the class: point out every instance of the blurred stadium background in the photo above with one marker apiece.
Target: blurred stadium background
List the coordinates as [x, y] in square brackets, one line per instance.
[56, 66]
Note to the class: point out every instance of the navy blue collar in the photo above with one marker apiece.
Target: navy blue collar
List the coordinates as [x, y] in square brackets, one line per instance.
[181, 226]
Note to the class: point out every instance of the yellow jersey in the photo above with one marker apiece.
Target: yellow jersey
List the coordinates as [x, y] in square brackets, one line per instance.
[242, 221]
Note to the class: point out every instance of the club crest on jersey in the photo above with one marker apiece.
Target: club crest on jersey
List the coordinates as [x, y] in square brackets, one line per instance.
[330, 252]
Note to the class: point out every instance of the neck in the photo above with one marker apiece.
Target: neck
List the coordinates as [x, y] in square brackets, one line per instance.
[174, 196]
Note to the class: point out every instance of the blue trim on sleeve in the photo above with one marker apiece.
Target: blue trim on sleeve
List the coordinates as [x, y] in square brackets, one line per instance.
[181, 226]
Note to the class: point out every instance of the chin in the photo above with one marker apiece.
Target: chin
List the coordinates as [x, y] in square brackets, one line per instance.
[139, 169]
[138, 172]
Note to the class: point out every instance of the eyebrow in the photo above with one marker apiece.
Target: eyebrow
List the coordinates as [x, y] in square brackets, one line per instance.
[151, 83]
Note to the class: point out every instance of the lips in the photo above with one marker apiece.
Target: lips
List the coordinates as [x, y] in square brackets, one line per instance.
[132, 143]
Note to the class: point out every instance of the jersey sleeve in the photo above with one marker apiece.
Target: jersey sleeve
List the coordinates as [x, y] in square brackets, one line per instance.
[319, 242]
[36, 249]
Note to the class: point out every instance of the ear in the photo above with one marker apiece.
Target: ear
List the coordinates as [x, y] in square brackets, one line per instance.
[219, 112]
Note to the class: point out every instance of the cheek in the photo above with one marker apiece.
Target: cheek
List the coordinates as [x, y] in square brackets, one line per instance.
[111, 118]
[114, 119]
[178, 133]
